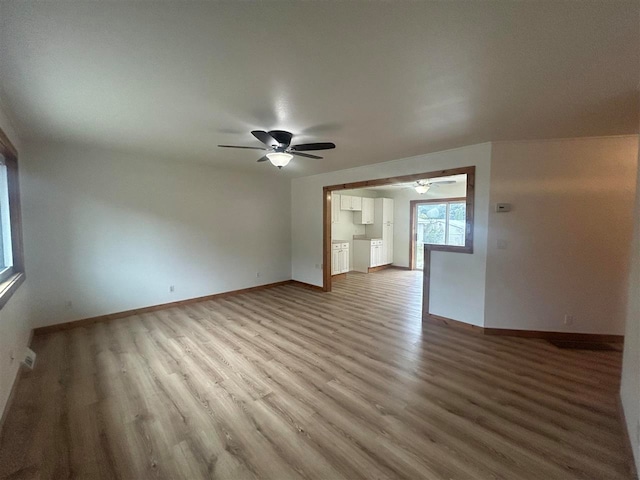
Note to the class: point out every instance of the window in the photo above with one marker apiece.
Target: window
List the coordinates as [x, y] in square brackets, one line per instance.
[441, 223]
[438, 222]
[11, 259]
[6, 250]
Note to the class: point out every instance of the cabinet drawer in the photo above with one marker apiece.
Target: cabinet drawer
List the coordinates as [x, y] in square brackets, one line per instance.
[344, 245]
[336, 246]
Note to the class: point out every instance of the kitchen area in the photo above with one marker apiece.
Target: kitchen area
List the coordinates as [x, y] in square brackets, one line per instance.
[361, 232]
[375, 227]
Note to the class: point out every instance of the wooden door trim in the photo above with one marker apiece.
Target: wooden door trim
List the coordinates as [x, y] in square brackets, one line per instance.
[326, 210]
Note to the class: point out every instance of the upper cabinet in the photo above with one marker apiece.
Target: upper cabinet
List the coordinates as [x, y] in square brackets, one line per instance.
[347, 202]
[366, 215]
[335, 208]
[387, 210]
[383, 211]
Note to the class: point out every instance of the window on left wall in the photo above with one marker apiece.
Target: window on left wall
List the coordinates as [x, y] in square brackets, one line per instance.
[6, 250]
[11, 256]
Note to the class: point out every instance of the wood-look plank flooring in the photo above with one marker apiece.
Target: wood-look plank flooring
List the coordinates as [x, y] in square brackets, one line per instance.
[290, 383]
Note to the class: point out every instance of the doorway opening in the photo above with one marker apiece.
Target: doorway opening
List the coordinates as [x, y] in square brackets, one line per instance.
[369, 206]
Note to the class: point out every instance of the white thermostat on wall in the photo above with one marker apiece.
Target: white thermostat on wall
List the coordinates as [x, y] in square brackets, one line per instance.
[503, 207]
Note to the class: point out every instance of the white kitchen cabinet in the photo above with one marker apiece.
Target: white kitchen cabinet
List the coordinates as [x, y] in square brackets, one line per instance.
[349, 202]
[376, 254]
[366, 215]
[344, 259]
[387, 244]
[335, 208]
[383, 211]
[339, 258]
[382, 227]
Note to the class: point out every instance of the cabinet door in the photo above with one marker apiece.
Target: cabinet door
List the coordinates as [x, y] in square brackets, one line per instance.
[387, 238]
[335, 262]
[335, 208]
[387, 210]
[367, 210]
[345, 202]
[356, 203]
[375, 255]
[345, 261]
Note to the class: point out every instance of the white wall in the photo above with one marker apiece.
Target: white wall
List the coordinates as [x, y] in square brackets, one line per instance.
[111, 232]
[568, 234]
[451, 272]
[630, 388]
[15, 326]
[402, 217]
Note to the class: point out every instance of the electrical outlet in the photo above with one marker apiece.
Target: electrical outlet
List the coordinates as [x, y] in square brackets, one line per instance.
[257, 274]
[568, 319]
[172, 288]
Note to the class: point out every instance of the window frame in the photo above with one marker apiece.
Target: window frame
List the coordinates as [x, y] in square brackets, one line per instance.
[12, 277]
[413, 224]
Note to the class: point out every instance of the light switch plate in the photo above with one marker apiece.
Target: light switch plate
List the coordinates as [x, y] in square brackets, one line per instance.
[503, 207]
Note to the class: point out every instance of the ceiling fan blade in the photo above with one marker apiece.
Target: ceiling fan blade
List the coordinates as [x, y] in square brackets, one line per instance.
[237, 146]
[282, 137]
[444, 182]
[264, 137]
[292, 152]
[263, 159]
[306, 147]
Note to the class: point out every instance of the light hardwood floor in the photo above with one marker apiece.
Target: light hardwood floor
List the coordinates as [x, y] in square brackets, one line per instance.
[292, 383]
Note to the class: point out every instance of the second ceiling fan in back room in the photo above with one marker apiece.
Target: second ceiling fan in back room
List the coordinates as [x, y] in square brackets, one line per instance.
[423, 186]
[280, 150]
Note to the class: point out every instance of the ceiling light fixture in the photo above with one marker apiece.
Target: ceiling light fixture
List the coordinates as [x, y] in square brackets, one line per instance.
[420, 188]
[279, 159]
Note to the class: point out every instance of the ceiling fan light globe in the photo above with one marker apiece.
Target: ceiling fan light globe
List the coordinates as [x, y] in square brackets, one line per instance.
[279, 159]
[422, 189]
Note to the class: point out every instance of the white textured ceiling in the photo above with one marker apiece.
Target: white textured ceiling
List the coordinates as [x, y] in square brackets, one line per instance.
[381, 80]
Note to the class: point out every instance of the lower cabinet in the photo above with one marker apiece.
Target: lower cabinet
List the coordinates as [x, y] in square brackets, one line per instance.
[376, 254]
[368, 253]
[339, 258]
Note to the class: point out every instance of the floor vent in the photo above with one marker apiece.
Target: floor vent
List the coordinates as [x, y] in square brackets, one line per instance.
[30, 358]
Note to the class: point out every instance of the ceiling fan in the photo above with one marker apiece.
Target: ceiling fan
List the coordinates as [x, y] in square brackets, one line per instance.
[280, 150]
[423, 186]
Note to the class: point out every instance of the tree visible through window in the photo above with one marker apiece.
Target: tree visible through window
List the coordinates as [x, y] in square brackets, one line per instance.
[442, 223]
